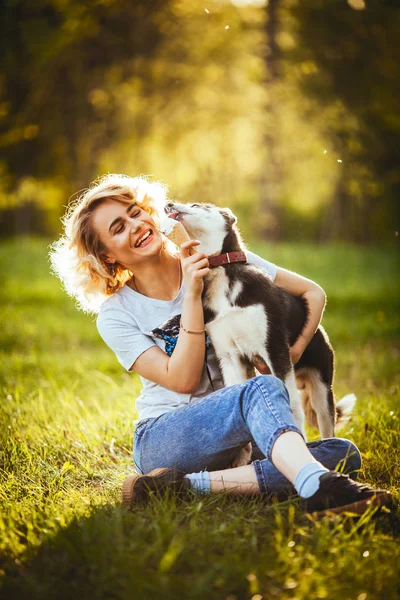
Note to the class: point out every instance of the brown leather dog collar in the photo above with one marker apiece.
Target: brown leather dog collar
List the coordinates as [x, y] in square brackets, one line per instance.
[226, 259]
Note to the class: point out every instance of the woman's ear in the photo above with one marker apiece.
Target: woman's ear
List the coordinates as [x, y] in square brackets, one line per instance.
[109, 259]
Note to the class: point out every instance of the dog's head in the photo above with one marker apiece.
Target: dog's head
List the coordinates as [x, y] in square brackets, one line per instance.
[214, 227]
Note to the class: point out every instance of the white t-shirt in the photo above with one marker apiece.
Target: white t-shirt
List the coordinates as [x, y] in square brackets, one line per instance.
[130, 323]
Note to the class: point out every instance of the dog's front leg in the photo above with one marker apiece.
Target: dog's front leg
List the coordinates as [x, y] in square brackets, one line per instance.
[233, 370]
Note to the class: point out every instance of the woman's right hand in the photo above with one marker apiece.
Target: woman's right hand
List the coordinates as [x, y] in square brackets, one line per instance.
[194, 267]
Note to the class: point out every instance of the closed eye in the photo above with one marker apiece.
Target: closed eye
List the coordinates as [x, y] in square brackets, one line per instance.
[135, 213]
[195, 205]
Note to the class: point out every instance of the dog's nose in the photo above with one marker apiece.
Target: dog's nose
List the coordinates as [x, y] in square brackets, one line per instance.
[168, 207]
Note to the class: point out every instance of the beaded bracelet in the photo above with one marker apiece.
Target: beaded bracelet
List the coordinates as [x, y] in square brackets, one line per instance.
[191, 330]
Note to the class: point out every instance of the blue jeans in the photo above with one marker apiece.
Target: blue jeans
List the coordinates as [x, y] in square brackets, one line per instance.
[207, 433]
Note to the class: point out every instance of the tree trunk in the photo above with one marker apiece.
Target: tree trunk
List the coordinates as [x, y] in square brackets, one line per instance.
[271, 221]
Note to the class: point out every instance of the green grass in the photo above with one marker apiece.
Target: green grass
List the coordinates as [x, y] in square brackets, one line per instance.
[65, 441]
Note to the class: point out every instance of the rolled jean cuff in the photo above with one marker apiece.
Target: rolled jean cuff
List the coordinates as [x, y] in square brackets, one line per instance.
[262, 484]
[257, 464]
[277, 433]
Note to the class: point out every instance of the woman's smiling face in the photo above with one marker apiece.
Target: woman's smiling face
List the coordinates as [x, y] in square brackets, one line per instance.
[128, 232]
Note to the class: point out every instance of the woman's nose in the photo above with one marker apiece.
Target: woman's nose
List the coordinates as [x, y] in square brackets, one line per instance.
[134, 224]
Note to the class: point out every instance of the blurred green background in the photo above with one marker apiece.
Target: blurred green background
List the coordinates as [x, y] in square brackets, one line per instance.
[286, 111]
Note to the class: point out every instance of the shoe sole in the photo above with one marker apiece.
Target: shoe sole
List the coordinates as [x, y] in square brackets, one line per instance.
[357, 508]
[129, 496]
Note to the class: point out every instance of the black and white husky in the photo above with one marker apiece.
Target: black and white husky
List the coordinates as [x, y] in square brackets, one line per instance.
[247, 317]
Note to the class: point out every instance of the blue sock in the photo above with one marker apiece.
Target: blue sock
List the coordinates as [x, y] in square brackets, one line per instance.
[200, 482]
[307, 479]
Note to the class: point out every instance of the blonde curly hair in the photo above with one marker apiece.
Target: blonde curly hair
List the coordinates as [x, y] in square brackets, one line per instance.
[77, 258]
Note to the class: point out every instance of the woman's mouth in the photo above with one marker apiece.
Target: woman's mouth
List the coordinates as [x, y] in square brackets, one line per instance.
[145, 239]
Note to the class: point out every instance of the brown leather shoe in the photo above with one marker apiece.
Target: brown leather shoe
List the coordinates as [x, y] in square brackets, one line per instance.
[140, 488]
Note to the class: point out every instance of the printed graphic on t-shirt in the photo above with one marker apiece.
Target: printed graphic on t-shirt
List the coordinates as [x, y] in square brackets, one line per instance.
[169, 332]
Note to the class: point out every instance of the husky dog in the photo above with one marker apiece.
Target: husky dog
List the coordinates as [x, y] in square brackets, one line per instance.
[249, 319]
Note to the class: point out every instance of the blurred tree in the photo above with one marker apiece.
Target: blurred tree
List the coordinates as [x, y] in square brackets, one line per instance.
[206, 112]
[270, 221]
[352, 50]
[60, 59]
[285, 111]
[161, 87]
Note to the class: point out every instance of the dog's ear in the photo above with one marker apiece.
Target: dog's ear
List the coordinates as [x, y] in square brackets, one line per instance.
[229, 216]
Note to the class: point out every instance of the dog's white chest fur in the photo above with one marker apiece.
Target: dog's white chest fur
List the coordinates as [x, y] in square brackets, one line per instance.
[235, 331]
[218, 296]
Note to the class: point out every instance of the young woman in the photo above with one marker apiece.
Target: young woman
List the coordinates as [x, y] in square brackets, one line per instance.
[114, 261]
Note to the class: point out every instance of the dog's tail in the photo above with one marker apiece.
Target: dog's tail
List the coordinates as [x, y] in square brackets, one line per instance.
[344, 408]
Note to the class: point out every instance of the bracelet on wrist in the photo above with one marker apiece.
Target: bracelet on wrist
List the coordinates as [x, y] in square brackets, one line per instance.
[191, 330]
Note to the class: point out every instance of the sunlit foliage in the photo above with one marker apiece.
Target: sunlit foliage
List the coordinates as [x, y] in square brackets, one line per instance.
[286, 111]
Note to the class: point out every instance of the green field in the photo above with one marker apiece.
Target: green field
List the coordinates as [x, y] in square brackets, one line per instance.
[66, 434]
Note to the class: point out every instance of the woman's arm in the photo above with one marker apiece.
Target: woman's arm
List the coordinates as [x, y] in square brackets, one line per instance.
[315, 298]
[182, 371]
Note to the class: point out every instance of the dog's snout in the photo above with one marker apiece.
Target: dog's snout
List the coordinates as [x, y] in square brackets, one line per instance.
[168, 207]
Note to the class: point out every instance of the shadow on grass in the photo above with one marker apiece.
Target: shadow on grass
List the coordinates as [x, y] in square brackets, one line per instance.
[154, 552]
[190, 550]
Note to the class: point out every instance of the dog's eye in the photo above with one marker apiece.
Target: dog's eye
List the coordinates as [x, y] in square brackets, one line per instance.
[195, 205]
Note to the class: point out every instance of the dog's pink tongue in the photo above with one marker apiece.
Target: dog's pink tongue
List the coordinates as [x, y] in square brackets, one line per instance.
[173, 215]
